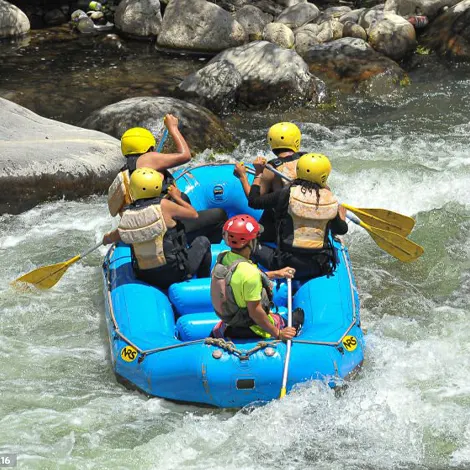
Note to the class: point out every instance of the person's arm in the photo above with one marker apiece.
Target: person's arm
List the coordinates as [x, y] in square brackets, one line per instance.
[164, 161]
[240, 173]
[258, 315]
[284, 273]
[338, 225]
[111, 237]
[266, 201]
[266, 182]
[179, 209]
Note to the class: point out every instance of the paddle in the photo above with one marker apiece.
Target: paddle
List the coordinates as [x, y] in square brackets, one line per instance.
[384, 219]
[289, 342]
[380, 218]
[387, 230]
[48, 276]
[393, 243]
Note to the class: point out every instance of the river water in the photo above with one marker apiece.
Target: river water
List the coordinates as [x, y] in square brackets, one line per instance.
[61, 407]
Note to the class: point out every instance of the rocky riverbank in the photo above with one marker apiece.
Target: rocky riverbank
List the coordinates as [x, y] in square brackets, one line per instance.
[265, 54]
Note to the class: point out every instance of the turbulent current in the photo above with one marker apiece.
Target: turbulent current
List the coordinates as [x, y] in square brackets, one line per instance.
[409, 408]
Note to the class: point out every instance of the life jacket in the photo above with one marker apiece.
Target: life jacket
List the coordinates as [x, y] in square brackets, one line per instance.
[309, 228]
[287, 166]
[223, 299]
[119, 194]
[153, 244]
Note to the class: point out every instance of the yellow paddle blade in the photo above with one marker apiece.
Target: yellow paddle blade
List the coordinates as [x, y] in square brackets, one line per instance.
[283, 392]
[47, 276]
[393, 243]
[384, 219]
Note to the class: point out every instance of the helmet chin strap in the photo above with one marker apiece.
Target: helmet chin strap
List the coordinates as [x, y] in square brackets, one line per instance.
[253, 244]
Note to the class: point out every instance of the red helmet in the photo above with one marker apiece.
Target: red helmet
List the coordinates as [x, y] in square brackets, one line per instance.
[239, 230]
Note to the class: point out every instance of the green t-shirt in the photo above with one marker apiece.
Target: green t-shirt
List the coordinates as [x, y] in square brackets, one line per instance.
[246, 280]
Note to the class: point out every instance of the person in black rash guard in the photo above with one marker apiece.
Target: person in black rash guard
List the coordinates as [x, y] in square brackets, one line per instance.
[284, 139]
[138, 146]
[306, 213]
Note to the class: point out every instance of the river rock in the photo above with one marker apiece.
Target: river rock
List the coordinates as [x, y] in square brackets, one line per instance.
[370, 16]
[352, 63]
[353, 30]
[289, 3]
[393, 36]
[279, 34]
[42, 159]
[306, 37]
[351, 16]
[312, 34]
[449, 33]
[198, 25]
[268, 6]
[13, 22]
[261, 73]
[298, 15]
[139, 18]
[334, 12]
[253, 20]
[408, 8]
[201, 128]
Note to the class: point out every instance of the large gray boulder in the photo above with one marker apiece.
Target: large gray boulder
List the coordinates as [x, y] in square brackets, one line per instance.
[449, 33]
[198, 25]
[253, 75]
[42, 159]
[201, 128]
[351, 63]
[13, 22]
[140, 18]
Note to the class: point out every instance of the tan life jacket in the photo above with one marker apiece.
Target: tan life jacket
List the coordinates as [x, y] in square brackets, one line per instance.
[287, 166]
[310, 219]
[223, 299]
[118, 193]
[144, 229]
[290, 170]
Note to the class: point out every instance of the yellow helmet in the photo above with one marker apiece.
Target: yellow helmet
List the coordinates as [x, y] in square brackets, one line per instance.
[284, 135]
[145, 183]
[137, 141]
[314, 167]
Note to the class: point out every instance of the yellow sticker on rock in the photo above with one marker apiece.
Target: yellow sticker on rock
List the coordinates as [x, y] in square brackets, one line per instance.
[128, 354]
[350, 343]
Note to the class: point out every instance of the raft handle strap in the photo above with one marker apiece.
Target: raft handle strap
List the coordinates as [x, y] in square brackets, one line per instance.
[242, 354]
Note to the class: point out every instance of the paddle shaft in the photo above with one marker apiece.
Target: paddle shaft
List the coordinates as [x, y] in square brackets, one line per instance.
[270, 168]
[87, 252]
[289, 342]
[162, 140]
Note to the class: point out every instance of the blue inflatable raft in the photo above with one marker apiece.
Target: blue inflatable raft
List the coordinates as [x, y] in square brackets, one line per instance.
[160, 341]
